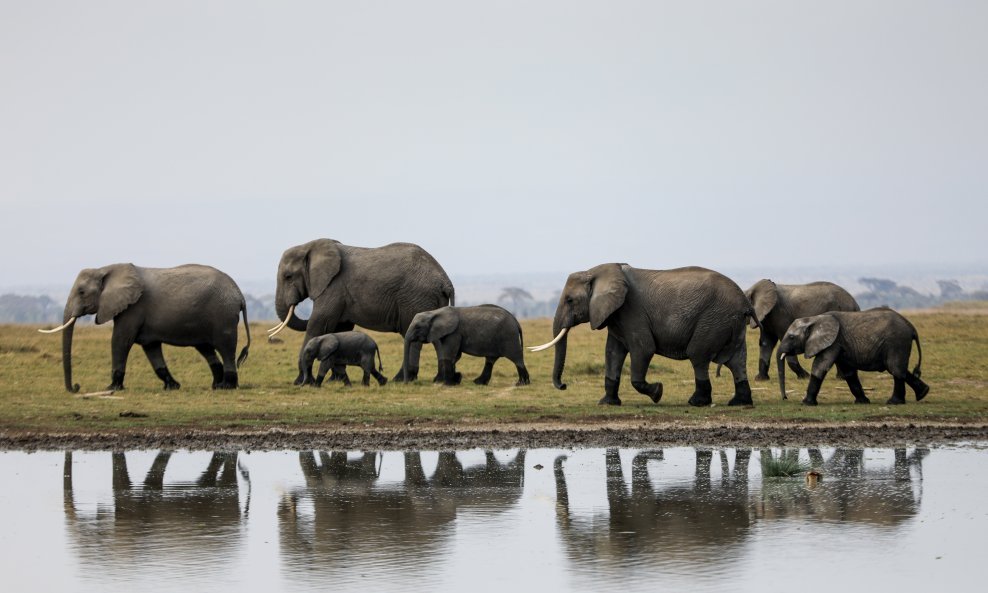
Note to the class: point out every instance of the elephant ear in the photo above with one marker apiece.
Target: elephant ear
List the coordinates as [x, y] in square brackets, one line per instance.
[444, 322]
[823, 332]
[763, 296]
[122, 287]
[324, 262]
[329, 344]
[607, 293]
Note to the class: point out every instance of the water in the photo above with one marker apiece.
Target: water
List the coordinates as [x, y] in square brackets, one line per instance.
[581, 520]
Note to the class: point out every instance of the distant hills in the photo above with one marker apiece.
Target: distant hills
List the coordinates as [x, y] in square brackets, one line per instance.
[536, 295]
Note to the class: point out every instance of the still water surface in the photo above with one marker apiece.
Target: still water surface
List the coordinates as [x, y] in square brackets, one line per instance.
[538, 520]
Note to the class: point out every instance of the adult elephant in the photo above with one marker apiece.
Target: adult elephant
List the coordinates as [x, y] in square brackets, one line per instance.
[778, 305]
[690, 314]
[188, 305]
[380, 288]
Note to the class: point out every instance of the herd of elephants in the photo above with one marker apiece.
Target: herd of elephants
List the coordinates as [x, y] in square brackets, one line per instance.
[689, 313]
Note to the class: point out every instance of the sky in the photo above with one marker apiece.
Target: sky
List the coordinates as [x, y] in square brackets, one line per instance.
[504, 137]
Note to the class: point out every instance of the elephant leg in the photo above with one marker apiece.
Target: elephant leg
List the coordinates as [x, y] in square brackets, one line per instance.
[215, 366]
[324, 367]
[639, 370]
[821, 364]
[228, 352]
[157, 359]
[339, 374]
[702, 395]
[794, 365]
[485, 375]
[918, 386]
[365, 380]
[853, 383]
[766, 344]
[381, 379]
[120, 345]
[742, 390]
[523, 378]
[898, 392]
[615, 354]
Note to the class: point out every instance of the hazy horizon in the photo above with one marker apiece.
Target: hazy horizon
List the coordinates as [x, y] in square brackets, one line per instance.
[512, 138]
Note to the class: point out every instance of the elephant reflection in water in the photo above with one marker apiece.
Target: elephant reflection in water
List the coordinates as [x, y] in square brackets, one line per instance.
[849, 491]
[343, 517]
[187, 524]
[681, 523]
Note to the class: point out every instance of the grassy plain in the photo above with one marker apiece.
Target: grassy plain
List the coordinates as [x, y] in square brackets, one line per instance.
[33, 399]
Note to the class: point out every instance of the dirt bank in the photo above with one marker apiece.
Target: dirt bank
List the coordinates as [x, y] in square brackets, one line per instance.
[501, 436]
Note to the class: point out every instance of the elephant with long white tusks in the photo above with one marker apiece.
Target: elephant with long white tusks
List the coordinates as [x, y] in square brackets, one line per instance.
[878, 339]
[190, 305]
[690, 314]
[380, 289]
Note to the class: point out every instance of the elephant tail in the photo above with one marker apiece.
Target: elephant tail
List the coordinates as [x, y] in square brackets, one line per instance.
[918, 371]
[243, 353]
[380, 365]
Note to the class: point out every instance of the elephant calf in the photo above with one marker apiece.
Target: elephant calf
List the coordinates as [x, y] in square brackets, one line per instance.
[874, 340]
[335, 351]
[486, 330]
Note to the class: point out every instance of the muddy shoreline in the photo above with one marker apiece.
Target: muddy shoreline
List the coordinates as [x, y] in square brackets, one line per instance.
[505, 436]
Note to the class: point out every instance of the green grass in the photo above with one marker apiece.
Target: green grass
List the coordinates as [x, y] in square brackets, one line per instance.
[32, 396]
[786, 465]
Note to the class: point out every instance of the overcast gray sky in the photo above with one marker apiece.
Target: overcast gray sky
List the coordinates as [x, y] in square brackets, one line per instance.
[502, 136]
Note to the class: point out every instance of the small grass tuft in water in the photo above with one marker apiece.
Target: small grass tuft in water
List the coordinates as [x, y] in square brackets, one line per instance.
[783, 467]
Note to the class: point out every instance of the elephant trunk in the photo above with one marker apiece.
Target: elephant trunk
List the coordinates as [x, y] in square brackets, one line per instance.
[782, 375]
[67, 352]
[286, 313]
[560, 361]
[406, 356]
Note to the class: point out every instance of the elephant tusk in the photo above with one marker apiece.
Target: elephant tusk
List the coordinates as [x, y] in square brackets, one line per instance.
[274, 330]
[550, 344]
[783, 356]
[59, 328]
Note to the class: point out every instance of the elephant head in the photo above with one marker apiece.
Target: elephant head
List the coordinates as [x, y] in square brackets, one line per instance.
[590, 296]
[304, 271]
[322, 346]
[429, 326]
[809, 336]
[105, 292]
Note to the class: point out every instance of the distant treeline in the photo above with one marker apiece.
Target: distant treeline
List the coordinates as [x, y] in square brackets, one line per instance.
[881, 291]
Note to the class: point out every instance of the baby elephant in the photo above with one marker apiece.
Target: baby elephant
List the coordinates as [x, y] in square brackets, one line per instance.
[335, 351]
[486, 330]
[874, 340]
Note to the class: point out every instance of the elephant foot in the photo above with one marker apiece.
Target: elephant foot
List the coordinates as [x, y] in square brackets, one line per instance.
[862, 400]
[761, 377]
[300, 380]
[652, 390]
[702, 395]
[809, 402]
[115, 387]
[481, 380]
[172, 385]
[609, 400]
[895, 401]
[803, 375]
[922, 391]
[742, 395]
[382, 381]
[226, 385]
[522, 382]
